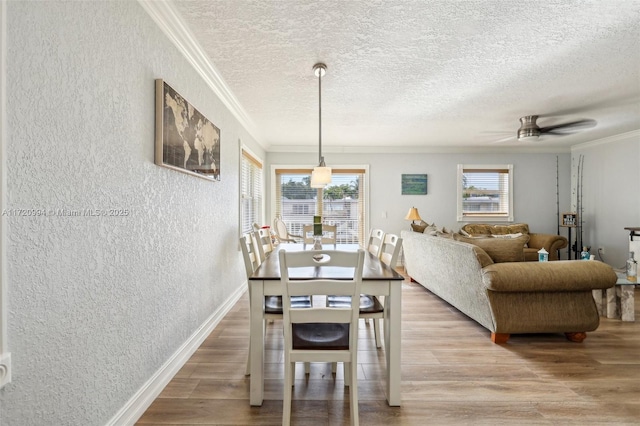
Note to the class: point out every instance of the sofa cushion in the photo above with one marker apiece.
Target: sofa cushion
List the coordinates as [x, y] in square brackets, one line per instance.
[499, 249]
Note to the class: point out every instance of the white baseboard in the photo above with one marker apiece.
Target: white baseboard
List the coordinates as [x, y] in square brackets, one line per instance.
[138, 404]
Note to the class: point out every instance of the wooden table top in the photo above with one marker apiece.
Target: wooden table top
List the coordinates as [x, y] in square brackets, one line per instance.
[374, 269]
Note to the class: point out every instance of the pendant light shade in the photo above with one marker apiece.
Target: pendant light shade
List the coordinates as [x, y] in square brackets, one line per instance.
[321, 175]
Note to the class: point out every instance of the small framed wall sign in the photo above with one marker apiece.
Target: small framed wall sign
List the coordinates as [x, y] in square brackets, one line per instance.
[569, 220]
[414, 184]
[186, 140]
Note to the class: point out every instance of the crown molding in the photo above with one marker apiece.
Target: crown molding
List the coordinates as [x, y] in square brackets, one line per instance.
[417, 149]
[171, 23]
[607, 140]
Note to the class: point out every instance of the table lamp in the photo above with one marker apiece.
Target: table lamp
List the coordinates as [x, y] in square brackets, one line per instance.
[413, 215]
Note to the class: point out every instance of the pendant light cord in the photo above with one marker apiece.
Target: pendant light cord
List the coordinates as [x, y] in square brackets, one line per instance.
[320, 158]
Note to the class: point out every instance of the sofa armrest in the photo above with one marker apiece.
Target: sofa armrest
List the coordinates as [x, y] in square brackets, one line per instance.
[551, 243]
[560, 276]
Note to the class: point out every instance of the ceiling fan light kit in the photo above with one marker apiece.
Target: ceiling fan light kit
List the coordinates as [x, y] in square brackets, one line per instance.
[321, 175]
[528, 130]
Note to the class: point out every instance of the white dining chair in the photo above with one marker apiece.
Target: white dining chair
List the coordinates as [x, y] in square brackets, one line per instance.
[249, 253]
[374, 242]
[371, 307]
[263, 242]
[320, 333]
[272, 304]
[282, 233]
[390, 249]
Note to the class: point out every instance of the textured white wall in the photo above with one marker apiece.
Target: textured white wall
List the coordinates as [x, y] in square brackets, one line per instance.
[610, 182]
[534, 182]
[98, 304]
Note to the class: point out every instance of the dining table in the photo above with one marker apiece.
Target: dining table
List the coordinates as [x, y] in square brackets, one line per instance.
[377, 279]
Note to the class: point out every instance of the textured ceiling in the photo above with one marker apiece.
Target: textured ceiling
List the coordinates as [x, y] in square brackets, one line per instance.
[424, 74]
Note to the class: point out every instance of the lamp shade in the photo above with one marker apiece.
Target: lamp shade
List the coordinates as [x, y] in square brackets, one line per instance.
[413, 214]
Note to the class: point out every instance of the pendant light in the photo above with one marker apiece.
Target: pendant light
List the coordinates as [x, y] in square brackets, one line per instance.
[321, 175]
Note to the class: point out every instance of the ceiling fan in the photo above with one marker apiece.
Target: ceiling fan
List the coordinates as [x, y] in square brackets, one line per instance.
[529, 129]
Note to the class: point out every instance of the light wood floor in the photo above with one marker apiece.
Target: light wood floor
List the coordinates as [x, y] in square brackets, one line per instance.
[452, 374]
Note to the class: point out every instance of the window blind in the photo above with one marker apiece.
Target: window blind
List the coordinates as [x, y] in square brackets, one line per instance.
[250, 192]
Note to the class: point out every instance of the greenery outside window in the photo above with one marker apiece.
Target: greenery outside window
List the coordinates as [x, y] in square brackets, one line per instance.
[251, 198]
[485, 193]
[342, 202]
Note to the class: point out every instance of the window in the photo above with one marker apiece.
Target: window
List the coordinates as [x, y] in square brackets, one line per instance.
[342, 202]
[250, 191]
[485, 192]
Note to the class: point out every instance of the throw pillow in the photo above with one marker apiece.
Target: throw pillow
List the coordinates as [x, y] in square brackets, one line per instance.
[418, 228]
[519, 234]
[430, 230]
[499, 249]
[515, 228]
[443, 234]
[463, 232]
[482, 257]
[477, 229]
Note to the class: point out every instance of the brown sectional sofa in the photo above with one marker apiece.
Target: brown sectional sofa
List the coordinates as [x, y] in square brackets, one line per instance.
[508, 297]
[551, 243]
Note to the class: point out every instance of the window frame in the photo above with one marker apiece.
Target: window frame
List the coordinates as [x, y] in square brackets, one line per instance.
[488, 216]
[335, 169]
[257, 189]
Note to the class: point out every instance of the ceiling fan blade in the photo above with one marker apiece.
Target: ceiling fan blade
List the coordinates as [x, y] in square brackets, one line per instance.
[493, 136]
[565, 128]
[511, 138]
[600, 101]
